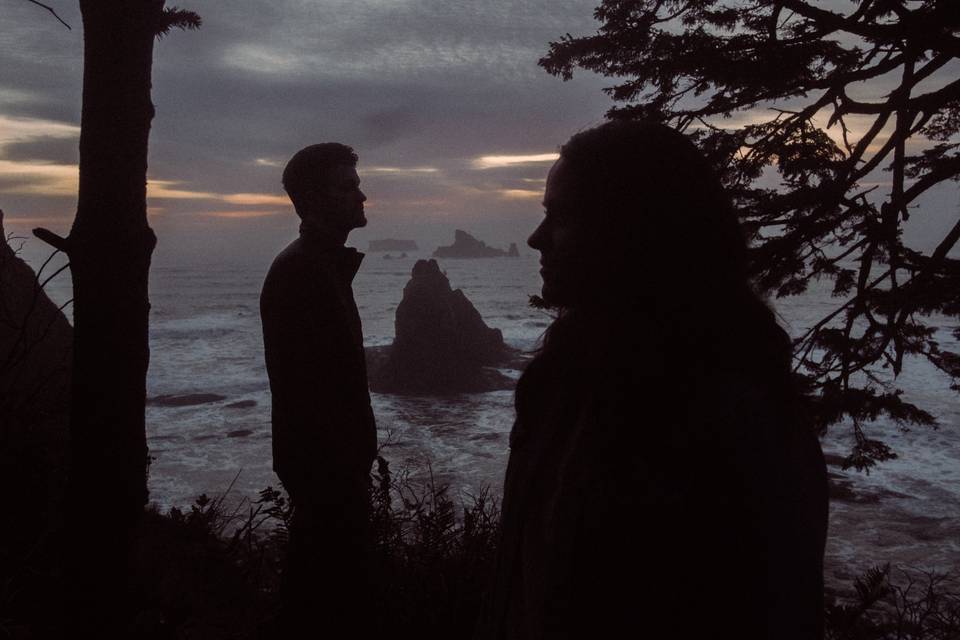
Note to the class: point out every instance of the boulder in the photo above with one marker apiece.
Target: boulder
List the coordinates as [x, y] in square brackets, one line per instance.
[442, 344]
[466, 246]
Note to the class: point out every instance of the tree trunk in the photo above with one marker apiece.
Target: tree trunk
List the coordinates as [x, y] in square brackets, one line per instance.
[109, 246]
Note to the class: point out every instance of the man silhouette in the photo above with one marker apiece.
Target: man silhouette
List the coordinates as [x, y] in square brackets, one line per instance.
[324, 434]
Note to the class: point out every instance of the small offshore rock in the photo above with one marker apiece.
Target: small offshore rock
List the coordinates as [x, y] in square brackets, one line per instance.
[466, 246]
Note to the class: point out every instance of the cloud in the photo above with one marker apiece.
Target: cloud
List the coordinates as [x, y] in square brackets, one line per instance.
[56, 180]
[169, 190]
[418, 87]
[38, 178]
[399, 171]
[407, 38]
[38, 157]
[10, 97]
[422, 89]
[21, 130]
[499, 161]
[238, 214]
[520, 194]
[29, 221]
[58, 150]
[263, 59]
[255, 199]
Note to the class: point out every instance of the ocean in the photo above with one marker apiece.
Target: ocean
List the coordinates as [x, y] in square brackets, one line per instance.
[205, 338]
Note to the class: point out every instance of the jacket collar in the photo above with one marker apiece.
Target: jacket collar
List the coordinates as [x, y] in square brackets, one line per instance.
[346, 260]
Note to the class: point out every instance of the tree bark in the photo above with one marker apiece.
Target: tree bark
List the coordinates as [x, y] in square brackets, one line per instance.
[110, 247]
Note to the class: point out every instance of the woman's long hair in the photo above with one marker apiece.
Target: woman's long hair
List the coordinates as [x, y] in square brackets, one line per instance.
[668, 265]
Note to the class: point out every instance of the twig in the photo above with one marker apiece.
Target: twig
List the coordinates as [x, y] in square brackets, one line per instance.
[54, 275]
[50, 9]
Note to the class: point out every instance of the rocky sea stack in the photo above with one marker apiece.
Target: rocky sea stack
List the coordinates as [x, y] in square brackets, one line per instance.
[442, 344]
[466, 246]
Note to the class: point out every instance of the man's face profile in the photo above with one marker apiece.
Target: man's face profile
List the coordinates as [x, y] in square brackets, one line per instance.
[338, 198]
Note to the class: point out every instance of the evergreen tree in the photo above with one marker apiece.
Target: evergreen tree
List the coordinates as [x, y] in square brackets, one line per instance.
[791, 74]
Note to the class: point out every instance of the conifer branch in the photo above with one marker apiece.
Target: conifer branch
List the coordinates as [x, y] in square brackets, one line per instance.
[176, 18]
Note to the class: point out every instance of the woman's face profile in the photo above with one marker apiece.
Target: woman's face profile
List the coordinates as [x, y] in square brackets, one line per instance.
[561, 239]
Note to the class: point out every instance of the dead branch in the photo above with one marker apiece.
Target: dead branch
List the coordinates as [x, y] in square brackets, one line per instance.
[50, 9]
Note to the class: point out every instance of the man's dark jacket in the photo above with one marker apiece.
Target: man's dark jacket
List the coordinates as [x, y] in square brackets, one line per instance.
[324, 435]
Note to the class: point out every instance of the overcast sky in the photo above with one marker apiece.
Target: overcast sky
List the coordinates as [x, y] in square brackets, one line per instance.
[454, 122]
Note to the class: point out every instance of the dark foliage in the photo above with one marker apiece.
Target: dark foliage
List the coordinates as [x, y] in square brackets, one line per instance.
[799, 162]
[896, 605]
[536, 302]
[176, 18]
[433, 556]
[212, 572]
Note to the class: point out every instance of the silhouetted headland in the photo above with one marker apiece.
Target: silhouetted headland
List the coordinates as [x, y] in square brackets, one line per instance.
[466, 246]
[442, 344]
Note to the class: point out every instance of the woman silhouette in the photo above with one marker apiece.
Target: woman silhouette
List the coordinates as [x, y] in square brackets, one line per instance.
[662, 481]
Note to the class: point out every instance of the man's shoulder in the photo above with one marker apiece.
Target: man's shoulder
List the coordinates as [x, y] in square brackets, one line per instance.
[289, 273]
[292, 267]
[292, 257]
[301, 255]
[298, 275]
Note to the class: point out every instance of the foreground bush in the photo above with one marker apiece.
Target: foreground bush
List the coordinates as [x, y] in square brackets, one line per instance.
[212, 572]
[902, 604]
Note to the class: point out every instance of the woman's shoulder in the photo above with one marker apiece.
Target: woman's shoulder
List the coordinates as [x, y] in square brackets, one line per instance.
[733, 392]
[734, 407]
[760, 425]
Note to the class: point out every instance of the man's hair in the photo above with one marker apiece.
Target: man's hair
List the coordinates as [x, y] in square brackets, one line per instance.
[310, 163]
